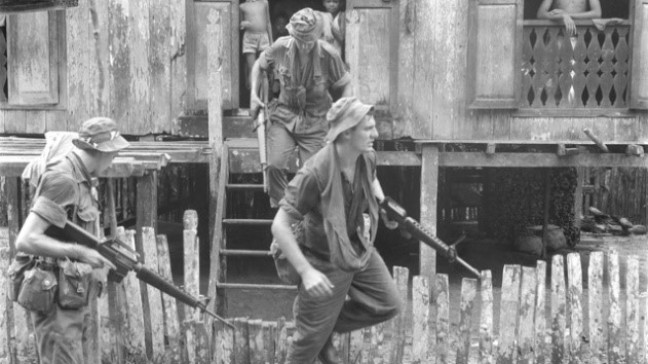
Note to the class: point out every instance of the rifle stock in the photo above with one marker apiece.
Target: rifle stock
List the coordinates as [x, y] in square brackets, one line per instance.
[127, 260]
[398, 213]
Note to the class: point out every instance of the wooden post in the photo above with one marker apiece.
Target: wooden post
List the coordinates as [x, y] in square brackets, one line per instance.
[172, 325]
[526, 312]
[442, 300]
[468, 293]
[575, 308]
[5, 260]
[150, 260]
[429, 192]
[241, 344]
[269, 334]
[135, 339]
[192, 284]
[633, 315]
[401, 277]
[356, 346]
[540, 341]
[508, 314]
[377, 350]
[598, 343]
[146, 207]
[223, 344]
[420, 318]
[281, 341]
[12, 194]
[615, 347]
[215, 130]
[558, 309]
[486, 319]
[578, 195]
[255, 340]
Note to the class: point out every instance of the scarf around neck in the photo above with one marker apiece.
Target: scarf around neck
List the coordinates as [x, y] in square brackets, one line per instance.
[342, 252]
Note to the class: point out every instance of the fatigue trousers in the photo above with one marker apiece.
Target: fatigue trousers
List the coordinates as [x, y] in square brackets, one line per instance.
[62, 333]
[281, 144]
[373, 298]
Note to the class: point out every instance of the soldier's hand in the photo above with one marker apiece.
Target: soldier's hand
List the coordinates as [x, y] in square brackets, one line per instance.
[255, 104]
[92, 257]
[316, 283]
[389, 224]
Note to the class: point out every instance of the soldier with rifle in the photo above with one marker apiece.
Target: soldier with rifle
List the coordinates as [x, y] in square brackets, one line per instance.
[61, 316]
[311, 74]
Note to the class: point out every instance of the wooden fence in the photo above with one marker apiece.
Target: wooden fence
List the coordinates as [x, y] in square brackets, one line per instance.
[540, 315]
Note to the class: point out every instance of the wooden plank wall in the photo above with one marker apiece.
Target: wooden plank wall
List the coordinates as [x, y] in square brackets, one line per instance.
[146, 82]
[432, 91]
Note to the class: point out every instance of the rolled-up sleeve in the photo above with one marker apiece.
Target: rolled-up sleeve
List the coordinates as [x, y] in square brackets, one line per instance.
[338, 74]
[56, 193]
[301, 195]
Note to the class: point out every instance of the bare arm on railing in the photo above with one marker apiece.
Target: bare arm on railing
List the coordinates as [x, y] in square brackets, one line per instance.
[568, 10]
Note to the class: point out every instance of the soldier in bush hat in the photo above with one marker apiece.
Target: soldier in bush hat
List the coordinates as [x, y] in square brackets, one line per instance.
[65, 192]
[335, 195]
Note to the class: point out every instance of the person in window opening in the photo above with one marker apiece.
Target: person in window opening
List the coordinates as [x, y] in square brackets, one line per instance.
[568, 10]
[336, 195]
[65, 192]
[279, 25]
[333, 23]
[256, 32]
[311, 74]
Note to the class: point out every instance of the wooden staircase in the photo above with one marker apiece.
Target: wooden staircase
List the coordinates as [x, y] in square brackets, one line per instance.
[232, 226]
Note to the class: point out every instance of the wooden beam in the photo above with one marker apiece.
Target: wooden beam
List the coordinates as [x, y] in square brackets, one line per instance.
[532, 160]
[217, 167]
[429, 193]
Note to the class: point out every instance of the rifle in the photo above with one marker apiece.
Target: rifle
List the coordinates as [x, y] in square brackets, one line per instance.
[398, 213]
[260, 128]
[126, 259]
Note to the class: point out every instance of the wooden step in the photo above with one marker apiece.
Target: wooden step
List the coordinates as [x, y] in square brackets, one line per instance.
[255, 222]
[244, 186]
[245, 253]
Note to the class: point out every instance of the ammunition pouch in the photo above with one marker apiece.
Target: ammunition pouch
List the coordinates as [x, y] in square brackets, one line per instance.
[38, 288]
[74, 279]
[16, 273]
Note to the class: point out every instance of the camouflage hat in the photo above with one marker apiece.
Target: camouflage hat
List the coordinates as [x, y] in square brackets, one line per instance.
[345, 113]
[100, 133]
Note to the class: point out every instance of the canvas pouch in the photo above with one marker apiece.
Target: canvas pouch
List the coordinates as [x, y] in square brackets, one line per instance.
[16, 273]
[38, 289]
[285, 270]
[74, 284]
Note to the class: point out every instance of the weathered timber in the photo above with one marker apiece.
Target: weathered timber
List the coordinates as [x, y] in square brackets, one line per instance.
[443, 334]
[150, 260]
[171, 323]
[507, 352]
[633, 346]
[429, 193]
[526, 313]
[486, 319]
[468, 293]
[540, 323]
[420, 318]
[558, 309]
[615, 344]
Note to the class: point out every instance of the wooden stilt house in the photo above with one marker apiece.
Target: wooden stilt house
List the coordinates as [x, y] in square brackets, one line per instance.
[462, 84]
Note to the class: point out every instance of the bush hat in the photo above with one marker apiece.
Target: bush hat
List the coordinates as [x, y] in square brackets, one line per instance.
[100, 133]
[345, 113]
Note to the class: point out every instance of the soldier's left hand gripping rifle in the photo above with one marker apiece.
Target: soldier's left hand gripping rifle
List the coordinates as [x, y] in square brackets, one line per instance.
[126, 260]
[260, 120]
[397, 213]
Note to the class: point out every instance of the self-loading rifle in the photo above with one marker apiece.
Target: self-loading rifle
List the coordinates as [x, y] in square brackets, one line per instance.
[126, 260]
[397, 213]
[260, 127]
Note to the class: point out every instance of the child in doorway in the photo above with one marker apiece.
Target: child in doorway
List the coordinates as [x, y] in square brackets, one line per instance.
[257, 31]
[333, 23]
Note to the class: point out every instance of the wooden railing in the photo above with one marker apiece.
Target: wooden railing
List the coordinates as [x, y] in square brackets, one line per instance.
[589, 70]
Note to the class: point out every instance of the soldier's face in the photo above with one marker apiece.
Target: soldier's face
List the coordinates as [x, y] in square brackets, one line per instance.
[104, 161]
[363, 135]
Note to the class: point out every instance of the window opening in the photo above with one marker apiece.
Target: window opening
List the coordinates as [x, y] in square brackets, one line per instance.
[588, 69]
